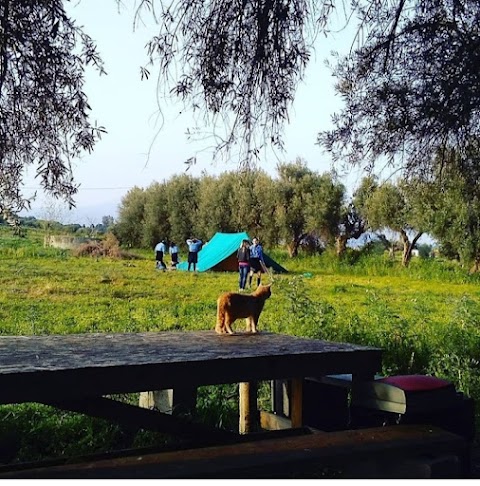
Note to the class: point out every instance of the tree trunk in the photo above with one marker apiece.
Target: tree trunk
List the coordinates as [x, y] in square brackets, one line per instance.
[476, 265]
[407, 253]
[391, 251]
[341, 245]
[408, 246]
[293, 249]
[389, 246]
[294, 245]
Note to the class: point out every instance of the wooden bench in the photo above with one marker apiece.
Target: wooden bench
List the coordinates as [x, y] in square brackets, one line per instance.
[335, 402]
[403, 451]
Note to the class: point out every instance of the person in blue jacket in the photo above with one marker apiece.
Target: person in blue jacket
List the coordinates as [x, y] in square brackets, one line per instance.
[194, 246]
[257, 263]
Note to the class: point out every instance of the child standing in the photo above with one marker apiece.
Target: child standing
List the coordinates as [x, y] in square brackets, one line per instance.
[194, 246]
[257, 263]
[160, 250]
[173, 250]
[243, 256]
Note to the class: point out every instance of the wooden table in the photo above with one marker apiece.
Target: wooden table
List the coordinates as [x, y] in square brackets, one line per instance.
[75, 372]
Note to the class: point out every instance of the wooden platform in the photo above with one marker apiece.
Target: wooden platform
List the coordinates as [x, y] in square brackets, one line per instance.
[47, 368]
[79, 373]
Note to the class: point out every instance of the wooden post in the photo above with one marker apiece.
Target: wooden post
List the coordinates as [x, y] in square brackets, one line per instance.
[162, 400]
[287, 400]
[181, 400]
[248, 421]
[296, 402]
[280, 397]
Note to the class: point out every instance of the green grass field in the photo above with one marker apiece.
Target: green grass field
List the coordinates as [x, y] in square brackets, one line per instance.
[426, 318]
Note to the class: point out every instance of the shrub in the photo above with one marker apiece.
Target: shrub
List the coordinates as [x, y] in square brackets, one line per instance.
[91, 248]
[425, 251]
[111, 246]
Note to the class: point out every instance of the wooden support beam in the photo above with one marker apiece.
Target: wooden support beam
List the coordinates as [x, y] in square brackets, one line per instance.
[141, 418]
[161, 400]
[280, 397]
[287, 400]
[184, 400]
[296, 402]
[248, 420]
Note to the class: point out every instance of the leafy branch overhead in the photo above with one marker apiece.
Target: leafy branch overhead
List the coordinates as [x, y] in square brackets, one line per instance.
[237, 63]
[44, 112]
[412, 90]
[411, 86]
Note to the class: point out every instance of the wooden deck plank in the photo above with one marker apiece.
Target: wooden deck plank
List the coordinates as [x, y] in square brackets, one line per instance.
[59, 352]
[385, 448]
[40, 368]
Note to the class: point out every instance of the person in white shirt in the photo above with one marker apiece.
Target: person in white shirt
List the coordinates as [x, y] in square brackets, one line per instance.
[194, 246]
[160, 250]
[173, 254]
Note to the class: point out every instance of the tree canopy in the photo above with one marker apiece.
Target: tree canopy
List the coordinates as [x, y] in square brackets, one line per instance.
[299, 204]
[398, 207]
[452, 208]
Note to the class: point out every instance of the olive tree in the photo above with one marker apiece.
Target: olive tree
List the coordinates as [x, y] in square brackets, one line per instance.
[453, 213]
[410, 82]
[131, 214]
[156, 223]
[308, 204]
[398, 207]
[410, 86]
[183, 203]
[237, 63]
[215, 205]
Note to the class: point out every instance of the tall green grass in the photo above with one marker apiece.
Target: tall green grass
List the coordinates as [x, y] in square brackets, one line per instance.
[356, 263]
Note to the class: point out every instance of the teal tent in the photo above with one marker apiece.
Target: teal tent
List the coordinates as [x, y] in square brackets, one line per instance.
[220, 254]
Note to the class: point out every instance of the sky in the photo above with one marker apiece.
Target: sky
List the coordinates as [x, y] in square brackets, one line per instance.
[141, 146]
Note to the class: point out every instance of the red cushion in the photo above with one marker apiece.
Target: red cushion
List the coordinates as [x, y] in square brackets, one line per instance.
[415, 382]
